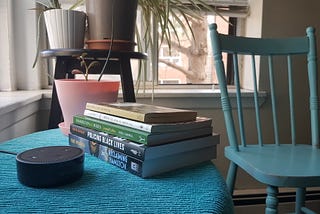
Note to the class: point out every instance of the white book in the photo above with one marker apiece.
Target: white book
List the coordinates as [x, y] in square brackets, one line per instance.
[200, 122]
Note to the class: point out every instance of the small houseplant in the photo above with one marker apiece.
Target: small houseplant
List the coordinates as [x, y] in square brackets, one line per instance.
[65, 27]
[73, 94]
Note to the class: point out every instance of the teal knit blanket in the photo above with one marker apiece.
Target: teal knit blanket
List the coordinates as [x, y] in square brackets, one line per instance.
[105, 188]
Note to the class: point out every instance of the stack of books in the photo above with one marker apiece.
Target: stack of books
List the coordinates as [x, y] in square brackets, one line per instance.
[145, 140]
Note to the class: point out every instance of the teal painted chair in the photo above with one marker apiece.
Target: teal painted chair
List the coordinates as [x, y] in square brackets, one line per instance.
[277, 164]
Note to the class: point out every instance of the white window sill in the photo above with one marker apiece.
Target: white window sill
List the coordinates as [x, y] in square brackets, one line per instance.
[10, 101]
[20, 113]
[179, 98]
[196, 98]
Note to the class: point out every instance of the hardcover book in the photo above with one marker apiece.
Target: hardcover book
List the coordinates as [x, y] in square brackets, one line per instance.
[150, 139]
[144, 112]
[200, 122]
[141, 151]
[145, 168]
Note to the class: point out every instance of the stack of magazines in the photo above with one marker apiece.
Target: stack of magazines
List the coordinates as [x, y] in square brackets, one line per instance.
[145, 140]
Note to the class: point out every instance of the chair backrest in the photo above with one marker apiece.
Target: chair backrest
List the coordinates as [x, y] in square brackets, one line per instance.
[267, 49]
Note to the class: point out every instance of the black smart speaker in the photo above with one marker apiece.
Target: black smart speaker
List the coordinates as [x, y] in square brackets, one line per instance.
[50, 166]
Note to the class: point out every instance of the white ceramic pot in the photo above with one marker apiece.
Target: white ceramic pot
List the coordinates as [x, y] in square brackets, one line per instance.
[65, 28]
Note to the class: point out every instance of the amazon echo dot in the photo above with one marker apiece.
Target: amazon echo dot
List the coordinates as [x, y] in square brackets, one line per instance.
[50, 166]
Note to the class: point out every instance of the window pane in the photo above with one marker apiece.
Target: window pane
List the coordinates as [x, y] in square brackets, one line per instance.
[190, 62]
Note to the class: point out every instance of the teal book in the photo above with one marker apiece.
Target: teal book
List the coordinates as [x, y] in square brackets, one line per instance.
[150, 139]
[142, 151]
[146, 168]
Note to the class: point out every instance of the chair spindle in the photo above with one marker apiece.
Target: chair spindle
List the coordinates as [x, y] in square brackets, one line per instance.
[256, 101]
[239, 100]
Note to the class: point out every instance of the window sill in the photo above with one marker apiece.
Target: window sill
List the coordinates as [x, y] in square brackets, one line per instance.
[179, 98]
[196, 98]
[10, 101]
[20, 113]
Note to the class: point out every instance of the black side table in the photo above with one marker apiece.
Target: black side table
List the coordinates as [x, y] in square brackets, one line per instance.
[66, 61]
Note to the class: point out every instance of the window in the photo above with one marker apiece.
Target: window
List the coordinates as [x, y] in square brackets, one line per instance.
[170, 56]
[190, 62]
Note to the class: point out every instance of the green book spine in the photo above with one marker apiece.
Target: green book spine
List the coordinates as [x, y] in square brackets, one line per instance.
[110, 128]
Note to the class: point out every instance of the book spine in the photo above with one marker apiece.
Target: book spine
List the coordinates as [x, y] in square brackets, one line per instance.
[116, 111]
[108, 155]
[119, 144]
[110, 128]
[118, 120]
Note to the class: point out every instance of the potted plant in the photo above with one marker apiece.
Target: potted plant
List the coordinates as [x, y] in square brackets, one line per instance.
[161, 21]
[65, 27]
[114, 20]
[111, 20]
[73, 94]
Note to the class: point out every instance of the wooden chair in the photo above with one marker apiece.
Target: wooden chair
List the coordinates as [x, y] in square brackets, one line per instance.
[284, 162]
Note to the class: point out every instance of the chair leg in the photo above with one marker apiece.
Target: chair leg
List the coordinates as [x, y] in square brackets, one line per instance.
[300, 199]
[272, 200]
[231, 177]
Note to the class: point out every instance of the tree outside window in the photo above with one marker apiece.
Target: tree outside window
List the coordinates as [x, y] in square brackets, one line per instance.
[189, 61]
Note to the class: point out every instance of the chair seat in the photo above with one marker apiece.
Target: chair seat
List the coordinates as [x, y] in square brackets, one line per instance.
[285, 165]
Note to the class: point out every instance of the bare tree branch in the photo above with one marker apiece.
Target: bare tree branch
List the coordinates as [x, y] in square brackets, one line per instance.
[177, 67]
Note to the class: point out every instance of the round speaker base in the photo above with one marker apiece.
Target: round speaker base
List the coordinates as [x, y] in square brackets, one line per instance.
[50, 166]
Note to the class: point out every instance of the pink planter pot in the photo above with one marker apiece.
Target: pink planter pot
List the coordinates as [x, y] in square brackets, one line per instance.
[74, 94]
